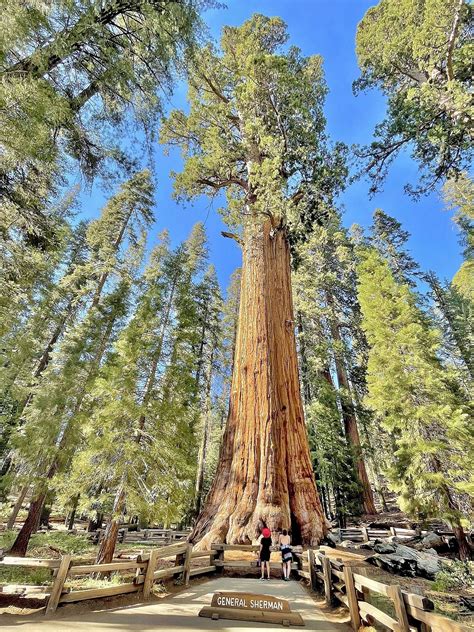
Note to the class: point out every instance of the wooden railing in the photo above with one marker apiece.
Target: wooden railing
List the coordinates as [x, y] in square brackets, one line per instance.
[245, 564]
[145, 536]
[342, 583]
[366, 534]
[347, 585]
[143, 566]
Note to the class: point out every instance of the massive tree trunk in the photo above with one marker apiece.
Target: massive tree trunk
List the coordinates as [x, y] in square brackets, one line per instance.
[264, 476]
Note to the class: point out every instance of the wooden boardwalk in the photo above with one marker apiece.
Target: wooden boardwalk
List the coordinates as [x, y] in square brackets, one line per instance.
[179, 612]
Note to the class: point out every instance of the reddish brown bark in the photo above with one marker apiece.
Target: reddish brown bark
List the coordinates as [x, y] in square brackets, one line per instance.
[106, 550]
[29, 527]
[465, 550]
[265, 474]
[18, 504]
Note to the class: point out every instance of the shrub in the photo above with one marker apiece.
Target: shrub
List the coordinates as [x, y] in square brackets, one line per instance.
[455, 575]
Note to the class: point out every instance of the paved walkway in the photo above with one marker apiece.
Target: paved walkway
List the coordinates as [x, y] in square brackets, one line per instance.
[179, 612]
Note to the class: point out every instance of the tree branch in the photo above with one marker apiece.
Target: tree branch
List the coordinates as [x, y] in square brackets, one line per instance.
[221, 184]
[214, 89]
[232, 236]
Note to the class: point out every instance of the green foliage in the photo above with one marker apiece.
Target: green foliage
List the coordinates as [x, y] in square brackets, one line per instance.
[388, 236]
[72, 73]
[332, 457]
[459, 195]
[140, 420]
[256, 127]
[411, 394]
[330, 340]
[455, 575]
[419, 53]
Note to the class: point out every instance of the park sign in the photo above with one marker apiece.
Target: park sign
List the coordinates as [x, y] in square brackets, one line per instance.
[251, 607]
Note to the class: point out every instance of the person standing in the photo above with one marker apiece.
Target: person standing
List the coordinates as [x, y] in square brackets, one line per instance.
[286, 554]
[265, 544]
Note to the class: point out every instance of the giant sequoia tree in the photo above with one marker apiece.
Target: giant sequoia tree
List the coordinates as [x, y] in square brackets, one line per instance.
[256, 130]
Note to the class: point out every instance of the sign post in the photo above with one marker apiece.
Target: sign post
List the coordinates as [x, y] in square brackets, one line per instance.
[251, 607]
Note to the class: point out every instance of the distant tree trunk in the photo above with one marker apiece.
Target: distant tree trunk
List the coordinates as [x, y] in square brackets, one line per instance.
[29, 527]
[45, 514]
[307, 394]
[204, 440]
[17, 507]
[264, 476]
[465, 550]
[106, 550]
[95, 523]
[72, 514]
[350, 423]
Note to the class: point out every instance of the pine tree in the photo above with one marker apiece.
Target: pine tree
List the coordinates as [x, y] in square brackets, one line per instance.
[411, 394]
[116, 243]
[419, 55]
[209, 302]
[148, 384]
[389, 238]
[72, 75]
[46, 440]
[27, 346]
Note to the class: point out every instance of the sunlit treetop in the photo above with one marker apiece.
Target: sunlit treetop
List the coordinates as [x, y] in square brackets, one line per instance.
[255, 127]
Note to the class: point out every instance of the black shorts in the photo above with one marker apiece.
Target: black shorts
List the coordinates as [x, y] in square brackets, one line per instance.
[264, 556]
[286, 555]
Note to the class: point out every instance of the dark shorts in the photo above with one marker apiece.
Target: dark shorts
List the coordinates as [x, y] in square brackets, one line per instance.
[264, 556]
[286, 555]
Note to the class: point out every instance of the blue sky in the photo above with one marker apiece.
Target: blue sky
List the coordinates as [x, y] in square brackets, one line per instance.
[325, 27]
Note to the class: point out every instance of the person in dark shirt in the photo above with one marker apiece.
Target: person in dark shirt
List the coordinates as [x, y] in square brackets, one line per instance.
[265, 544]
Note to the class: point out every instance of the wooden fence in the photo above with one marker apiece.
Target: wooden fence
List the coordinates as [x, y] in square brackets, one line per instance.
[221, 563]
[341, 582]
[348, 585]
[144, 536]
[143, 567]
[366, 534]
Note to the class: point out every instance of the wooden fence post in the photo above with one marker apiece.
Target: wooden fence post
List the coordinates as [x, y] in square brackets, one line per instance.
[187, 563]
[395, 593]
[328, 590]
[352, 598]
[365, 534]
[393, 531]
[58, 584]
[312, 569]
[220, 557]
[150, 569]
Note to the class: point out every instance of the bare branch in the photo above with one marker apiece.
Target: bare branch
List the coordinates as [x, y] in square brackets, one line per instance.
[452, 41]
[232, 236]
